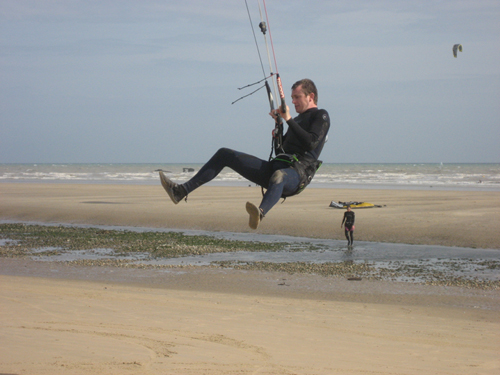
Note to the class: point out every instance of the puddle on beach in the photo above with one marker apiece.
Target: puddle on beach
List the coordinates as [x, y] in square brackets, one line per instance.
[400, 262]
[415, 270]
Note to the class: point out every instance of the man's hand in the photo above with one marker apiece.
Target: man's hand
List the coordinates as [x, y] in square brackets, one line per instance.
[284, 115]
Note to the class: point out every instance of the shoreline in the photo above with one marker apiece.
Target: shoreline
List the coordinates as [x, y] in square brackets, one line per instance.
[245, 184]
[406, 176]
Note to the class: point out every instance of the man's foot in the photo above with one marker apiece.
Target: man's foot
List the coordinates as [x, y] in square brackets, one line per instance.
[255, 215]
[175, 191]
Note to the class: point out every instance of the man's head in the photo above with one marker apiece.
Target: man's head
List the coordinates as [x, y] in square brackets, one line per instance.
[304, 95]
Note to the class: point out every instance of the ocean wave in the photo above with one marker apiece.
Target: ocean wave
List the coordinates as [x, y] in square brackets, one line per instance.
[453, 175]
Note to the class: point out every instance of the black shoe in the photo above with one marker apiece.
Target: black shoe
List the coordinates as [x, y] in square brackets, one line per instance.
[175, 191]
[255, 215]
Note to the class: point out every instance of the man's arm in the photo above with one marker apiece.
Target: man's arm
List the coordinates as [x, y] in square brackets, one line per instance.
[317, 131]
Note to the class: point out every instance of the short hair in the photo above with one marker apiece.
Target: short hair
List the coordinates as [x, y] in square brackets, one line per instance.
[308, 87]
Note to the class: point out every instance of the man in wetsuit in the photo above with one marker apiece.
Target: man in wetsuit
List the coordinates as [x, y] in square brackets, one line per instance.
[287, 174]
[349, 225]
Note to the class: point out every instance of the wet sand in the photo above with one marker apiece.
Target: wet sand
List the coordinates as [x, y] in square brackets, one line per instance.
[57, 318]
[448, 218]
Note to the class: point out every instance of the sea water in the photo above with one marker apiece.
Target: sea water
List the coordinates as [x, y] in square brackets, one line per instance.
[481, 177]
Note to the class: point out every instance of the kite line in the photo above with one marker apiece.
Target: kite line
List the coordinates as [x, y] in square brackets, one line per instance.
[277, 86]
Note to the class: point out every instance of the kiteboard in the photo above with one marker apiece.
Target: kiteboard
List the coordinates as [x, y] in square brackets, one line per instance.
[352, 204]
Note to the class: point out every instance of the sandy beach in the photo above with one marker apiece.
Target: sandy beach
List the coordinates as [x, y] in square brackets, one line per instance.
[57, 318]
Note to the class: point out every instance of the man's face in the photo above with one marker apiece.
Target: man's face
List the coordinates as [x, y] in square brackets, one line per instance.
[302, 102]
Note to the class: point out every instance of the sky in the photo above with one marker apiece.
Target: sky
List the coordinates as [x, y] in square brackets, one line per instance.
[128, 81]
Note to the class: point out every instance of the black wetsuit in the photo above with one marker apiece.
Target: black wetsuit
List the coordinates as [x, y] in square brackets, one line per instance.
[349, 218]
[305, 138]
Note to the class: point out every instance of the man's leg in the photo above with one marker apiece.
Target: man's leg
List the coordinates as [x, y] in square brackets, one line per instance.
[252, 168]
[283, 181]
[260, 172]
